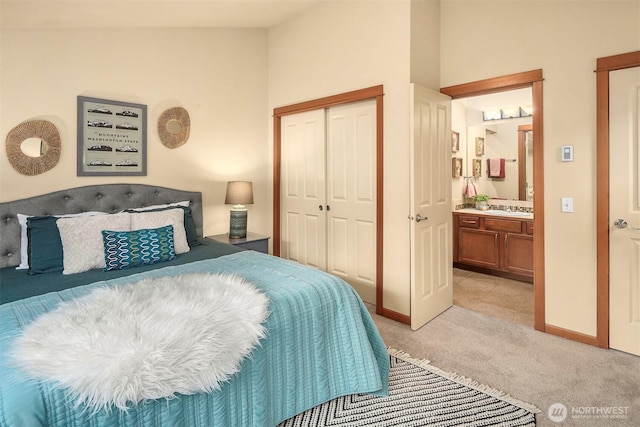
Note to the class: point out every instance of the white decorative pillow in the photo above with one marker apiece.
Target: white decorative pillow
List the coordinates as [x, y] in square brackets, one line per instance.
[81, 238]
[24, 241]
[152, 207]
[157, 219]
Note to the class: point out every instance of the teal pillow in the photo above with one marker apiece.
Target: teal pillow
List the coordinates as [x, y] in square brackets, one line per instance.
[128, 249]
[44, 246]
[189, 224]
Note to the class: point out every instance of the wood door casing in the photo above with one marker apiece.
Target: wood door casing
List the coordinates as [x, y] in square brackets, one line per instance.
[532, 79]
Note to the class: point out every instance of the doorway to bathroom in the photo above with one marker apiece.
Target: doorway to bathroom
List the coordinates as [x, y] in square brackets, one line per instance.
[531, 80]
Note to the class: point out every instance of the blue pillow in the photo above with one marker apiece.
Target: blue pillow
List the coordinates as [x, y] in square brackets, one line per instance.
[127, 249]
[44, 245]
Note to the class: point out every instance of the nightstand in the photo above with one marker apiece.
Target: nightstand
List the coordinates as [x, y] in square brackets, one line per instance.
[253, 241]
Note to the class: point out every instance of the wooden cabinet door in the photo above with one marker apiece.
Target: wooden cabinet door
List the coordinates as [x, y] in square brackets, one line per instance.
[479, 248]
[518, 254]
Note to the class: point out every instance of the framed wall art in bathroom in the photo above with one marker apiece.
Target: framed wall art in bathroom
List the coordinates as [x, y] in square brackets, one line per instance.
[456, 167]
[477, 168]
[455, 142]
[479, 146]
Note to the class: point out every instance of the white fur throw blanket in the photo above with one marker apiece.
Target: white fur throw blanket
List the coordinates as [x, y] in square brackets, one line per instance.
[146, 340]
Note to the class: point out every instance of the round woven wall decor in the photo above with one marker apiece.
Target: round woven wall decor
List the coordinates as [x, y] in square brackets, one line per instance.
[41, 129]
[173, 127]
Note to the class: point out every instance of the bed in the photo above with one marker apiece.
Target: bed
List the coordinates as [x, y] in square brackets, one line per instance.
[320, 342]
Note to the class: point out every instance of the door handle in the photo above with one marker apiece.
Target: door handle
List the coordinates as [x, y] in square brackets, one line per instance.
[621, 223]
[421, 218]
[320, 207]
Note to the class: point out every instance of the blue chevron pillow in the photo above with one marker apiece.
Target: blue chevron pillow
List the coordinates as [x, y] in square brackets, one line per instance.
[127, 249]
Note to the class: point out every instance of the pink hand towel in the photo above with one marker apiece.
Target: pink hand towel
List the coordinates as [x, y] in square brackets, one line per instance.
[496, 168]
[470, 190]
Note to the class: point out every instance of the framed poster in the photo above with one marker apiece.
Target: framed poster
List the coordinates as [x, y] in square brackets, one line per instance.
[112, 137]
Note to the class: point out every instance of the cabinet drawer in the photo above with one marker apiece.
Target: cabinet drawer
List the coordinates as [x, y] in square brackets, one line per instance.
[528, 226]
[255, 245]
[510, 226]
[468, 221]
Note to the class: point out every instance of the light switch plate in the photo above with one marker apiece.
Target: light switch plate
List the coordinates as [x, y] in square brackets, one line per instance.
[567, 204]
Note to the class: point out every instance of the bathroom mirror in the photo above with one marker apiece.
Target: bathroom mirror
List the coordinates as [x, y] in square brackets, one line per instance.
[173, 127]
[33, 147]
[510, 139]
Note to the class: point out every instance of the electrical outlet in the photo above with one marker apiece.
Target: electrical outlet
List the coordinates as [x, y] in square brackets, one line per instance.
[567, 204]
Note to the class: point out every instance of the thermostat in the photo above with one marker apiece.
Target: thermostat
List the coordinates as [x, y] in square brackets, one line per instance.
[567, 153]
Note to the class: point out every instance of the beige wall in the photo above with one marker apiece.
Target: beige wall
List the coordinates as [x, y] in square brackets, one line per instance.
[342, 46]
[230, 81]
[484, 39]
[219, 76]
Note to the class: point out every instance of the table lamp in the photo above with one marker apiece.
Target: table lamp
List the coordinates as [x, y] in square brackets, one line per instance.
[239, 193]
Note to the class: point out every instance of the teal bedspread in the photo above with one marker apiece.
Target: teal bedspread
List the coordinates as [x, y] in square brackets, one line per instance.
[321, 344]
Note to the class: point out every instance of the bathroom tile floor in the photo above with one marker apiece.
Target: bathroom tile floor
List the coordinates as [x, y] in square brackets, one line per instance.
[494, 296]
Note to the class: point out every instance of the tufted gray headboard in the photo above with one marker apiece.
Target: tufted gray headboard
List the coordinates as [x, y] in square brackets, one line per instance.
[109, 198]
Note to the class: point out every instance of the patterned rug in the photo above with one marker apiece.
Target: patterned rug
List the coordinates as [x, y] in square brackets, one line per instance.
[421, 395]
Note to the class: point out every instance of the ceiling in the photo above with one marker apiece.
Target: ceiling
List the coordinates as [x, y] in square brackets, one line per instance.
[149, 13]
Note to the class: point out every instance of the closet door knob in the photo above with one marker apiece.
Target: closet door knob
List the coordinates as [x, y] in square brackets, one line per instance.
[421, 218]
[320, 207]
[620, 223]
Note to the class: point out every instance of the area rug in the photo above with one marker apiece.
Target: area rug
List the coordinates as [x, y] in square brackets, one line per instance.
[421, 395]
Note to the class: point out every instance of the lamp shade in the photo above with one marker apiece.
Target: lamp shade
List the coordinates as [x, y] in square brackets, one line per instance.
[239, 193]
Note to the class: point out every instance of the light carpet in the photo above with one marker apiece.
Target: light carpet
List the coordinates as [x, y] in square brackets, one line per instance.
[421, 395]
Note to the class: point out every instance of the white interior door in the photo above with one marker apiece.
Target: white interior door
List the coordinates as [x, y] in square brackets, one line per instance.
[431, 220]
[303, 188]
[624, 205]
[351, 195]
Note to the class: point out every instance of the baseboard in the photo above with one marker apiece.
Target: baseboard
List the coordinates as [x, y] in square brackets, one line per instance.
[398, 317]
[572, 335]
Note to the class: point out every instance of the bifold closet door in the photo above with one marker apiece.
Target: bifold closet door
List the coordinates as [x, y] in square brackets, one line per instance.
[303, 188]
[351, 195]
[328, 192]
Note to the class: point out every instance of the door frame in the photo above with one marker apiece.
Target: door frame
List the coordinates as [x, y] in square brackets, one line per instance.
[603, 67]
[374, 92]
[532, 79]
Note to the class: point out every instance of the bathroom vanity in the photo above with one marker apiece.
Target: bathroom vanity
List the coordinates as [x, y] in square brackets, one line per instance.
[494, 242]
